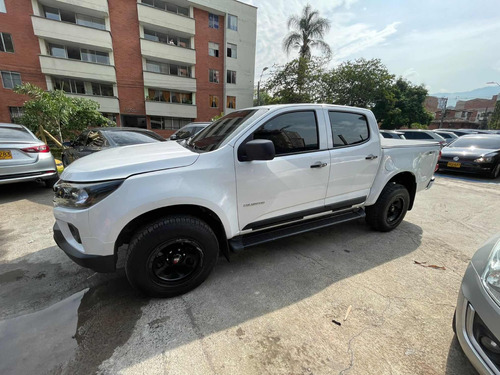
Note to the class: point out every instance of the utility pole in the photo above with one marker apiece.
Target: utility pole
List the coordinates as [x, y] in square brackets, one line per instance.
[258, 85]
[443, 102]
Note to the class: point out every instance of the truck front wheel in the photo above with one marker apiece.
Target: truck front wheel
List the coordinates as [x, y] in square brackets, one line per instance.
[390, 209]
[171, 256]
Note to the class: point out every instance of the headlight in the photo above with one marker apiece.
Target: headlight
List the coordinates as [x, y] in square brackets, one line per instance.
[491, 275]
[68, 194]
[485, 159]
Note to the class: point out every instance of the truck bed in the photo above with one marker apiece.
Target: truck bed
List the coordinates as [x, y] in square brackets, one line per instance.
[404, 143]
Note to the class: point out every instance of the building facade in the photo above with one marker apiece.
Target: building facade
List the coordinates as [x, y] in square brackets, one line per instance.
[148, 63]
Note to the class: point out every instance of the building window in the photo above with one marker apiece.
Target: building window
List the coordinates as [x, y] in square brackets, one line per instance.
[232, 22]
[167, 6]
[169, 96]
[231, 102]
[2, 7]
[83, 54]
[6, 44]
[232, 51]
[15, 114]
[167, 38]
[71, 86]
[213, 76]
[79, 19]
[168, 123]
[213, 21]
[173, 69]
[11, 79]
[100, 89]
[214, 101]
[213, 49]
[231, 76]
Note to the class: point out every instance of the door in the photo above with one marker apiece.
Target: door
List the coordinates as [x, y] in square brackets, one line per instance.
[354, 156]
[293, 184]
[77, 147]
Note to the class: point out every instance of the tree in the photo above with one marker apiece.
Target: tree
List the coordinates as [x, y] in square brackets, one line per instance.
[360, 83]
[495, 118]
[296, 82]
[308, 31]
[58, 113]
[402, 105]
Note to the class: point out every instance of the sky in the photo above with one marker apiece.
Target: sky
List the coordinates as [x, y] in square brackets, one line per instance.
[446, 45]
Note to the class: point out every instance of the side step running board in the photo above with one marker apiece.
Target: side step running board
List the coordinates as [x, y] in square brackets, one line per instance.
[251, 239]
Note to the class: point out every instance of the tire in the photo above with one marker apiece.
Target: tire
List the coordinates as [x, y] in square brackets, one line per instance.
[495, 172]
[390, 209]
[157, 263]
[65, 161]
[50, 183]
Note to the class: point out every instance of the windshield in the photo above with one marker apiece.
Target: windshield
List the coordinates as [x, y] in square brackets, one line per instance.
[491, 143]
[124, 138]
[210, 138]
[16, 134]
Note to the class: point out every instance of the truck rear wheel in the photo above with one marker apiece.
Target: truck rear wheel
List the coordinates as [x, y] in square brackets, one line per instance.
[390, 209]
[171, 256]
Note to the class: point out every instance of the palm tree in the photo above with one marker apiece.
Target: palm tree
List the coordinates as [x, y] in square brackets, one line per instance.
[308, 31]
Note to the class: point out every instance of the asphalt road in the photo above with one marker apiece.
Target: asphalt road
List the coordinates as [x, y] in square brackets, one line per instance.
[269, 311]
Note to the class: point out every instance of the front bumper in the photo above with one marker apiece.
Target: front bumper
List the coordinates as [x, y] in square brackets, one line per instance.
[98, 263]
[467, 167]
[475, 303]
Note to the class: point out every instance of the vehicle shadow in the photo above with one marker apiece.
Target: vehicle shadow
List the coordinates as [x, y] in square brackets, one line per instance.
[93, 316]
[33, 191]
[457, 363]
[468, 177]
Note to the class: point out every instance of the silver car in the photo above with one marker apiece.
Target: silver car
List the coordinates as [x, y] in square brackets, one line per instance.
[23, 157]
[477, 318]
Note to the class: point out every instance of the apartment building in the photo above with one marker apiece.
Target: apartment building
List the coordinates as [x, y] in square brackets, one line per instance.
[148, 63]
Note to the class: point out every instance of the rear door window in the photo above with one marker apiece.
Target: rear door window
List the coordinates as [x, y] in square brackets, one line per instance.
[291, 132]
[417, 135]
[348, 129]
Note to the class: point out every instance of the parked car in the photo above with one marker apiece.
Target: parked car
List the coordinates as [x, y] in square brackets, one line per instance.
[23, 157]
[98, 139]
[459, 132]
[251, 177]
[392, 134]
[477, 316]
[423, 135]
[448, 136]
[189, 130]
[476, 153]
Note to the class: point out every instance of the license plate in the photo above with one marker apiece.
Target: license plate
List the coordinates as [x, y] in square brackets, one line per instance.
[453, 164]
[5, 155]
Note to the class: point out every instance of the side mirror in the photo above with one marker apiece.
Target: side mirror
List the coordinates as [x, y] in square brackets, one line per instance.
[260, 149]
[67, 144]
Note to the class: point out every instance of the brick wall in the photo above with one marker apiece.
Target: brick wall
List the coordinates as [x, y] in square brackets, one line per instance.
[127, 55]
[204, 62]
[24, 60]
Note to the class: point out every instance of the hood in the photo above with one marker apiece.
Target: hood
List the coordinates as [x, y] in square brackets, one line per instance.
[122, 162]
[466, 151]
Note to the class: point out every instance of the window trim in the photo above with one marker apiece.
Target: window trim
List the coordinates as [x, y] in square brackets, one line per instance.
[2, 41]
[355, 144]
[227, 76]
[218, 74]
[3, 8]
[216, 97]
[213, 21]
[228, 18]
[216, 51]
[250, 137]
[231, 49]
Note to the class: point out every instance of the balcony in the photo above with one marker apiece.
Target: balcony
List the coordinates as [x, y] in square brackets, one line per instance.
[171, 82]
[65, 31]
[100, 6]
[157, 17]
[167, 52]
[170, 109]
[107, 104]
[77, 69]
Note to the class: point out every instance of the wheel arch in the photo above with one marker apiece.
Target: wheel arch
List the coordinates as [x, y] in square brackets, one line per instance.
[408, 180]
[203, 213]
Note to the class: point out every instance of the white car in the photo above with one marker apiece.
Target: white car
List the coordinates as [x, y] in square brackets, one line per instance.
[253, 176]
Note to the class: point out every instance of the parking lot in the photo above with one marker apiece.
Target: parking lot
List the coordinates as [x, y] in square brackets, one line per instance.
[345, 300]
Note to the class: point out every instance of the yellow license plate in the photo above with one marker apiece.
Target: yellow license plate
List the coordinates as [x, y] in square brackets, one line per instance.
[453, 164]
[5, 155]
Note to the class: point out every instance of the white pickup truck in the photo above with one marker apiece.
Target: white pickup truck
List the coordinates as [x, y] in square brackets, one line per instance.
[253, 176]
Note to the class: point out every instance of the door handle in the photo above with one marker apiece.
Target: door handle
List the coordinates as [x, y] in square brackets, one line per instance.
[371, 157]
[318, 164]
